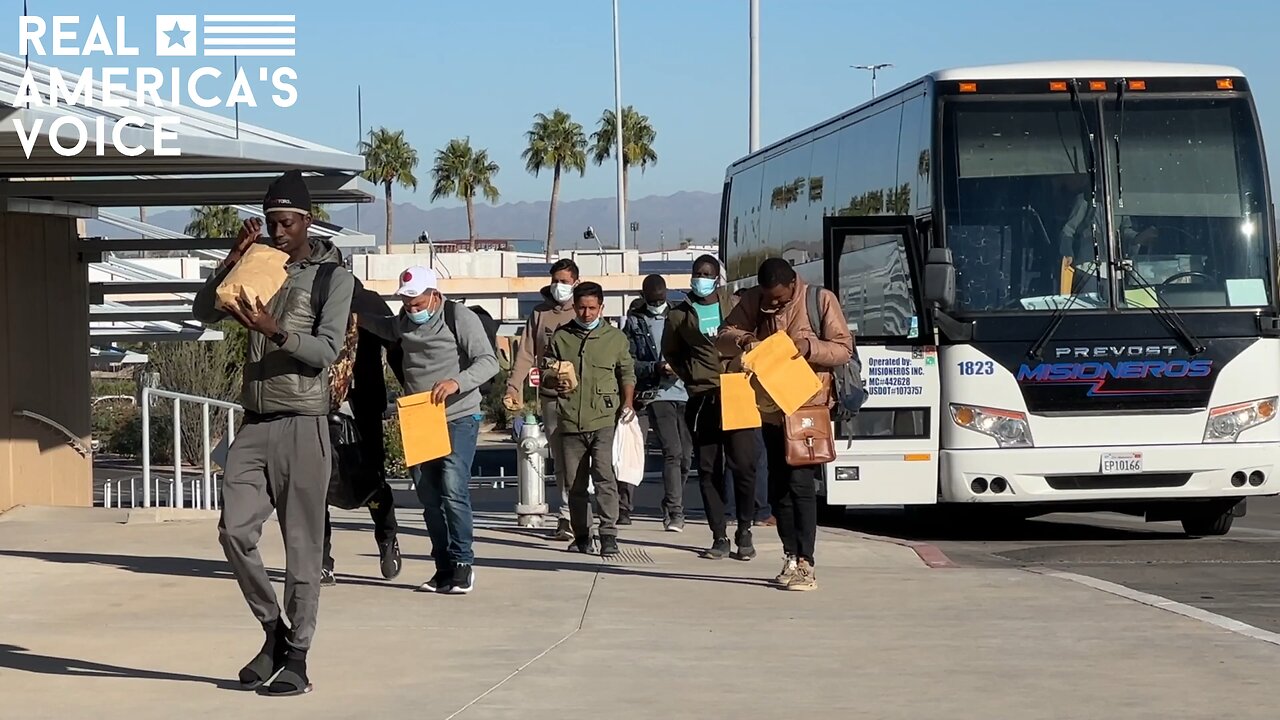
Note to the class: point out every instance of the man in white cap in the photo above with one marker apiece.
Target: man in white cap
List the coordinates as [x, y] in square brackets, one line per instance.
[448, 354]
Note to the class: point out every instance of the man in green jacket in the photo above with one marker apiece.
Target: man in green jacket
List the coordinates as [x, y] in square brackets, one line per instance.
[590, 402]
[689, 346]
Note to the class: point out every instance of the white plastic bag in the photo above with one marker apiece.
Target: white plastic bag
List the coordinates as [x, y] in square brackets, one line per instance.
[628, 451]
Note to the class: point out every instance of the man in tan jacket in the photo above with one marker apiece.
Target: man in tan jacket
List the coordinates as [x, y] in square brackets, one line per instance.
[555, 310]
[777, 304]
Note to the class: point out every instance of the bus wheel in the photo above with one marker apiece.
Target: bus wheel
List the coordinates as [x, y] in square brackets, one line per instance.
[1208, 523]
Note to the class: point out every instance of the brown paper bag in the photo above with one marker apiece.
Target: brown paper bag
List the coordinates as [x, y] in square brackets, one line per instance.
[258, 275]
[564, 371]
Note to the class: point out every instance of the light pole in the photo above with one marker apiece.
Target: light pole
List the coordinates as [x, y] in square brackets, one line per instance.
[875, 69]
[617, 130]
[755, 75]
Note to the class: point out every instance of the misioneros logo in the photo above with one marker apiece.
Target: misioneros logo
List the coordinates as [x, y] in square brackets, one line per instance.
[125, 91]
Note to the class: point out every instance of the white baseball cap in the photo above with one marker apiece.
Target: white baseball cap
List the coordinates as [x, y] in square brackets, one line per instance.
[417, 280]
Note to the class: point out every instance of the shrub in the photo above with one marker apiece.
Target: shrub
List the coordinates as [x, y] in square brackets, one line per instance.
[394, 447]
[126, 439]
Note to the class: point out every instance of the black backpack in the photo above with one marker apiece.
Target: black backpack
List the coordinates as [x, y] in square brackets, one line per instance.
[847, 379]
[490, 329]
[352, 480]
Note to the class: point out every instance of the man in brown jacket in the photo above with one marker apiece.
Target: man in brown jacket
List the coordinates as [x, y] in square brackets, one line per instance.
[689, 346]
[777, 304]
[555, 310]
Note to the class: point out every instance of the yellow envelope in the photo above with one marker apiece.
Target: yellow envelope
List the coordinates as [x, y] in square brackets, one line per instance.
[788, 379]
[738, 409]
[424, 430]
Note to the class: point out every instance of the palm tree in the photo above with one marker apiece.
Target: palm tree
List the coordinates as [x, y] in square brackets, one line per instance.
[214, 221]
[559, 143]
[637, 143]
[389, 160]
[461, 171]
[318, 212]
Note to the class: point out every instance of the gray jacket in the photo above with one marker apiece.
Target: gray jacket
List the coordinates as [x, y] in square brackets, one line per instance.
[432, 354]
[293, 379]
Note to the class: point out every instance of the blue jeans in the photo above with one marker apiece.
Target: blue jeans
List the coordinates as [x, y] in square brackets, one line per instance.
[446, 498]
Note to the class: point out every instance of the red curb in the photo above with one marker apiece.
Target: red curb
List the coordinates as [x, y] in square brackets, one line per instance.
[931, 555]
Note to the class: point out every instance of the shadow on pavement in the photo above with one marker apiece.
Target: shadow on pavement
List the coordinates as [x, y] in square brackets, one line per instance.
[175, 566]
[598, 566]
[20, 658]
[959, 524]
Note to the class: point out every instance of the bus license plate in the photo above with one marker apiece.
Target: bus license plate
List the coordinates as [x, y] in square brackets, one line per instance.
[1121, 463]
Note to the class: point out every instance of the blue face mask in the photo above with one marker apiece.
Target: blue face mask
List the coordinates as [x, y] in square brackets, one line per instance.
[420, 317]
[702, 287]
[588, 326]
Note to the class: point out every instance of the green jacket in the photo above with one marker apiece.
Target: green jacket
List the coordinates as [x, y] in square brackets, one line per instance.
[603, 362]
[692, 355]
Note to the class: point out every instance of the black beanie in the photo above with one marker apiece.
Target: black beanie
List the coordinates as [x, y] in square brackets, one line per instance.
[288, 192]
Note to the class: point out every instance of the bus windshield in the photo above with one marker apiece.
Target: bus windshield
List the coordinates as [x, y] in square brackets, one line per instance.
[1030, 229]
[1022, 204]
[1186, 184]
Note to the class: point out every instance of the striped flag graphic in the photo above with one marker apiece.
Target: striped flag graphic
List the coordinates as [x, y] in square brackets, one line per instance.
[248, 35]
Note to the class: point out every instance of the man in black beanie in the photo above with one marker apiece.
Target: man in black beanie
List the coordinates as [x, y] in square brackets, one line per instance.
[281, 458]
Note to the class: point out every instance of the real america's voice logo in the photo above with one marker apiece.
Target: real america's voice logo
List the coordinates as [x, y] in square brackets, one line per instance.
[121, 92]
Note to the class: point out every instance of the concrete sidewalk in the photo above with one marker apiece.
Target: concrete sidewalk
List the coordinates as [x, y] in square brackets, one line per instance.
[142, 620]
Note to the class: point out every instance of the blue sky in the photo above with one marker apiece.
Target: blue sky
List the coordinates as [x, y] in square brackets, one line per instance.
[481, 68]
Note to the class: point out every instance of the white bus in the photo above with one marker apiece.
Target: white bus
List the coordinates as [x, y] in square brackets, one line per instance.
[1062, 282]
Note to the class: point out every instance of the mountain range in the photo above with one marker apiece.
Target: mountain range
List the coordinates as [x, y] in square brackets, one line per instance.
[663, 220]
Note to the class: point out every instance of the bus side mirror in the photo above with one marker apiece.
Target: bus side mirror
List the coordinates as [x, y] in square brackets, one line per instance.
[940, 279]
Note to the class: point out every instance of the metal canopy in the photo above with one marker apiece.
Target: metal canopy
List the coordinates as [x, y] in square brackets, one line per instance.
[207, 143]
[176, 192]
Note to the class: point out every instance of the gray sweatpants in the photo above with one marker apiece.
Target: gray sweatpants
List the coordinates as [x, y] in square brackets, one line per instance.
[281, 464]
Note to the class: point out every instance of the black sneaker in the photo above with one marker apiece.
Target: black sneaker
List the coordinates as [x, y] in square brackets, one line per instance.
[608, 546]
[674, 524]
[389, 556]
[439, 583]
[746, 550]
[719, 549]
[579, 547]
[327, 578]
[463, 581]
[624, 519]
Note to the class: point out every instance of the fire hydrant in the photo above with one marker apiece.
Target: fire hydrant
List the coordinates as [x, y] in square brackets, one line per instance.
[532, 459]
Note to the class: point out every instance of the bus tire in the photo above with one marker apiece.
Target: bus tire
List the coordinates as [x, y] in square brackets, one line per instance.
[1211, 523]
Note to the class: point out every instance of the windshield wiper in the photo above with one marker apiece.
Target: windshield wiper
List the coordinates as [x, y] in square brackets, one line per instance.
[1121, 86]
[1060, 312]
[1162, 310]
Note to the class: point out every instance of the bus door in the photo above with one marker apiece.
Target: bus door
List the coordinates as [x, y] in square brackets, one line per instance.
[888, 455]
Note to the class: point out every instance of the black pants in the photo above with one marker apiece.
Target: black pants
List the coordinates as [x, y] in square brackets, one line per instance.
[793, 493]
[713, 449]
[666, 417]
[382, 508]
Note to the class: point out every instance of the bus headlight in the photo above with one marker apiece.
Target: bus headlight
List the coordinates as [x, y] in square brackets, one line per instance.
[1227, 422]
[1009, 428]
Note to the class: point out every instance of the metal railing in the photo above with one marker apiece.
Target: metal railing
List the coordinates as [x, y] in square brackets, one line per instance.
[204, 494]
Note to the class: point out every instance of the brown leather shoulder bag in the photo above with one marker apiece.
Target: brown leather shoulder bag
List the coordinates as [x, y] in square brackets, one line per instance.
[808, 436]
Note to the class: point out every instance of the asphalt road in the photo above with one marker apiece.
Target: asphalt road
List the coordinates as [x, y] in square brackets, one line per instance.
[1234, 575]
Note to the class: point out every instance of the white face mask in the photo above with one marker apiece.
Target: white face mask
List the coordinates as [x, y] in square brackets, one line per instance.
[561, 292]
